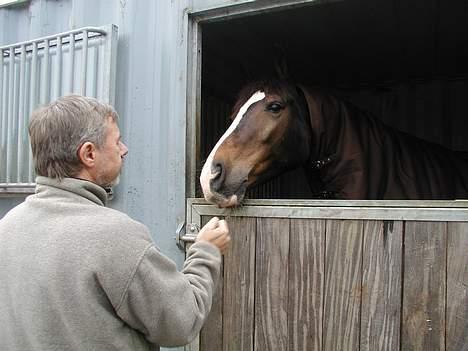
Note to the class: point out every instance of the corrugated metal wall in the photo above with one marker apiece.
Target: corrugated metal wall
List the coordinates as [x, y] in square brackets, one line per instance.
[150, 95]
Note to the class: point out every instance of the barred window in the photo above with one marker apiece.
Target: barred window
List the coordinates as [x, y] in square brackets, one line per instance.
[38, 71]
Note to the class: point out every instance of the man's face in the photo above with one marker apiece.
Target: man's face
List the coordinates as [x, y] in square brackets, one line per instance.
[110, 156]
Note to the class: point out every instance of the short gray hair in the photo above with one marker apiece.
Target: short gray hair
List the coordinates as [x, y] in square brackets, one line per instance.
[58, 129]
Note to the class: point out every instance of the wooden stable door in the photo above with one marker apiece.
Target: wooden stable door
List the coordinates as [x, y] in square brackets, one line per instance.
[315, 284]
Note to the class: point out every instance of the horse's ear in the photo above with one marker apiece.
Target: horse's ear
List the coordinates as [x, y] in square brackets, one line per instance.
[281, 62]
[247, 73]
[281, 68]
[314, 106]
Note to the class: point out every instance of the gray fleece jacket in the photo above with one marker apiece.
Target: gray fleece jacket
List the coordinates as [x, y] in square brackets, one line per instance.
[76, 275]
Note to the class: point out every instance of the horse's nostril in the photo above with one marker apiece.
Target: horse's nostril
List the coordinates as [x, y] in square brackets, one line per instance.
[216, 169]
[218, 176]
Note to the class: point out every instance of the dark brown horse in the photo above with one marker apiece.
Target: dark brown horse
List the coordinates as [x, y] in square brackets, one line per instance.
[348, 154]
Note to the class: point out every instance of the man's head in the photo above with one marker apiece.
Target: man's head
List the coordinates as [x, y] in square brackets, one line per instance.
[77, 136]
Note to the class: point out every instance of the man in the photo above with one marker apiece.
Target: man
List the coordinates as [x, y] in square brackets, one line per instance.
[76, 275]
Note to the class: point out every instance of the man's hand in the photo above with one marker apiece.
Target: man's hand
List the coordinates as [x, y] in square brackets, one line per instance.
[216, 232]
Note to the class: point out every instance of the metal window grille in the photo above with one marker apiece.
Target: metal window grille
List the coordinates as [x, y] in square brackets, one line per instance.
[38, 71]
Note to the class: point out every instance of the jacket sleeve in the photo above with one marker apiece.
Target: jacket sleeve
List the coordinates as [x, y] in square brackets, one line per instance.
[169, 307]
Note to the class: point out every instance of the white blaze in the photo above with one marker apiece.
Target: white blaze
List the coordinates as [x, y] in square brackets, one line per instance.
[206, 174]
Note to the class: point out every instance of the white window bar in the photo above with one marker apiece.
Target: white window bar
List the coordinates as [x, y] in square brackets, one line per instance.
[35, 72]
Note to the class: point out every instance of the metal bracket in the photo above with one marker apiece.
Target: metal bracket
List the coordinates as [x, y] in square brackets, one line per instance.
[186, 235]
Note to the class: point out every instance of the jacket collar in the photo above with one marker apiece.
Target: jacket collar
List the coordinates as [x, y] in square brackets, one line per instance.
[84, 188]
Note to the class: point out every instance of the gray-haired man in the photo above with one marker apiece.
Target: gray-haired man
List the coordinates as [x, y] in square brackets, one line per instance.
[76, 275]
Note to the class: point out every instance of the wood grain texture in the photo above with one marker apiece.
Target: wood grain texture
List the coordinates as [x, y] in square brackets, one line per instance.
[239, 286]
[381, 285]
[311, 284]
[457, 287]
[343, 268]
[211, 335]
[306, 284]
[423, 324]
[271, 288]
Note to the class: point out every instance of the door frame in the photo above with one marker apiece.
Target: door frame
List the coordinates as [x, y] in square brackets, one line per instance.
[194, 61]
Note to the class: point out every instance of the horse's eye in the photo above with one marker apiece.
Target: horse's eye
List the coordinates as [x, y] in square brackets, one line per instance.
[274, 107]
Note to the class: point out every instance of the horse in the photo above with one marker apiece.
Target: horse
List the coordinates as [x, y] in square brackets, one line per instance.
[346, 152]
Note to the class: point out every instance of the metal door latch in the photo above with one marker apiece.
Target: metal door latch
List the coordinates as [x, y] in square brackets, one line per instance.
[186, 234]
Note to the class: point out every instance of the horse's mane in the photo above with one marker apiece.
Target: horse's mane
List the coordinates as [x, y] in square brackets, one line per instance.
[283, 88]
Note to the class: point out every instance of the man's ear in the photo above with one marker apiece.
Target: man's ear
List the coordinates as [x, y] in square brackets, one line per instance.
[87, 154]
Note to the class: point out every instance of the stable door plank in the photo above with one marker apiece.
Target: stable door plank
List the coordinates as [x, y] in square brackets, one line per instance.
[424, 284]
[271, 288]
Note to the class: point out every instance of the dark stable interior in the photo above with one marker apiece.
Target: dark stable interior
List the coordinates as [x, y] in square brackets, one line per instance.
[405, 61]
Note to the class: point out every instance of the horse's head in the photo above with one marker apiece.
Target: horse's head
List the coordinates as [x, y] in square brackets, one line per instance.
[270, 134]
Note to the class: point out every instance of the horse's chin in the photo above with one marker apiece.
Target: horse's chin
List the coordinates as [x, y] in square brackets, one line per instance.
[231, 201]
[227, 198]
